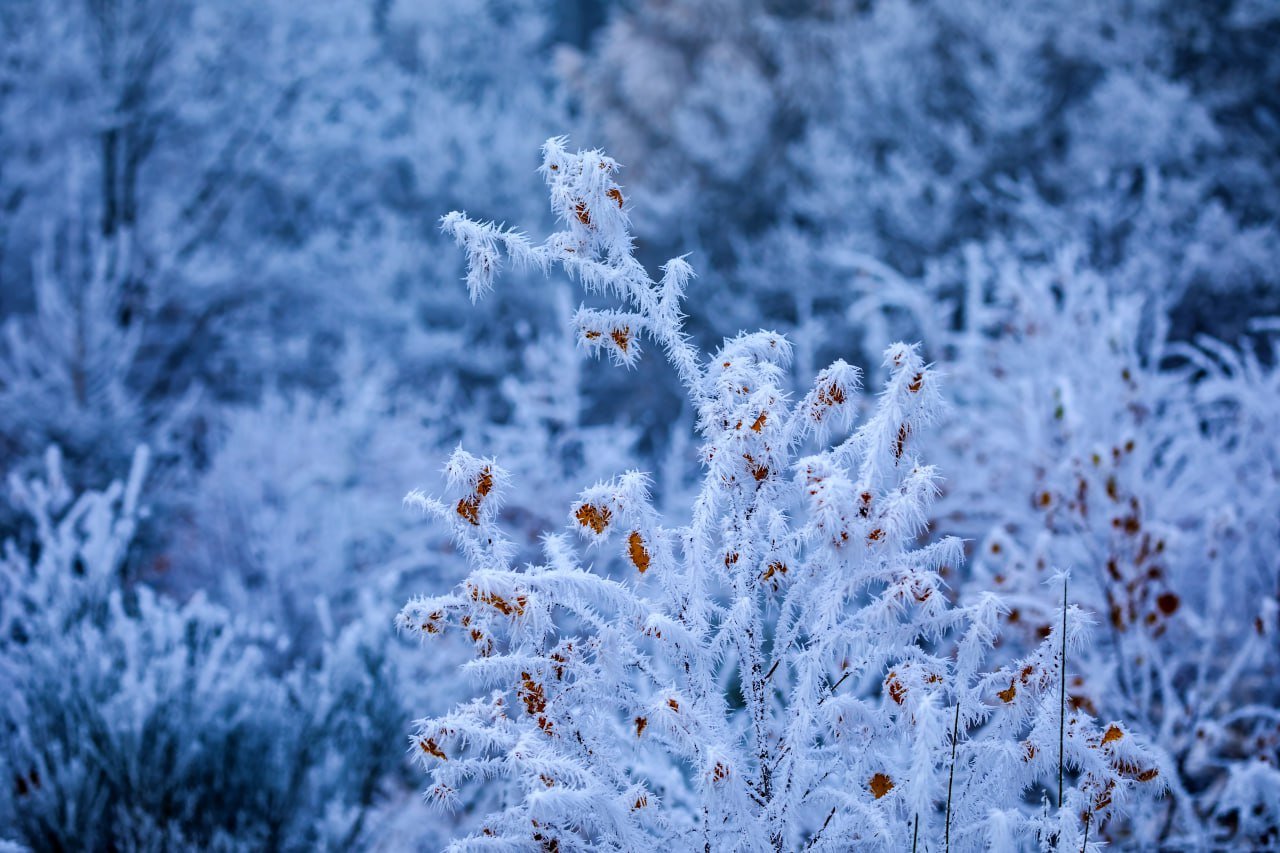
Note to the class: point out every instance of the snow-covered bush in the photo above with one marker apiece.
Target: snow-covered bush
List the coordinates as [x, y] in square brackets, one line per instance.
[290, 511]
[1087, 440]
[299, 503]
[784, 670]
[132, 722]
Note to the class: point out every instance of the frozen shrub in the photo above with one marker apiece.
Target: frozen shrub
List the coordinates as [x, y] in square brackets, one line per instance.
[216, 200]
[291, 510]
[784, 670]
[1087, 439]
[131, 722]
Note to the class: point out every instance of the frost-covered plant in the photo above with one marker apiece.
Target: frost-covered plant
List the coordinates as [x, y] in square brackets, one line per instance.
[1146, 468]
[786, 669]
[132, 722]
[69, 369]
[290, 513]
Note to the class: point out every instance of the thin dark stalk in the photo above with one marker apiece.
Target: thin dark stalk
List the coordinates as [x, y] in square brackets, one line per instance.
[1085, 846]
[769, 674]
[1062, 694]
[915, 836]
[951, 778]
[817, 835]
[832, 688]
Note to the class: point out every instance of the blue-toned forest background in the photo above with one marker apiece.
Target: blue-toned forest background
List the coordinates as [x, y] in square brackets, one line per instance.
[233, 336]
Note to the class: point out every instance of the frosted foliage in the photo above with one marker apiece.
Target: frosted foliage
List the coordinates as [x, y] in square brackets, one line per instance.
[902, 130]
[233, 194]
[1159, 487]
[786, 670]
[291, 511]
[132, 722]
[68, 370]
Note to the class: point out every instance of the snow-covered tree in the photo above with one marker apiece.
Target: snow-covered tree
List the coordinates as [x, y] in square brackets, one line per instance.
[792, 141]
[70, 369]
[257, 172]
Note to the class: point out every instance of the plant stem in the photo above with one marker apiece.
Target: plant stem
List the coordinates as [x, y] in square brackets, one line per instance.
[951, 778]
[1062, 694]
